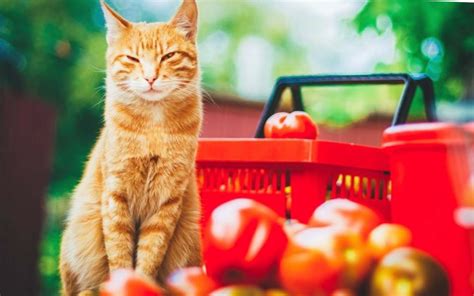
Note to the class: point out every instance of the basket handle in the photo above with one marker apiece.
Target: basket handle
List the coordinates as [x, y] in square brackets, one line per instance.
[410, 81]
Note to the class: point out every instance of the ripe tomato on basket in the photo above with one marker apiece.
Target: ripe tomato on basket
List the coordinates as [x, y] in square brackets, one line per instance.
[297, 124]
[243, 242]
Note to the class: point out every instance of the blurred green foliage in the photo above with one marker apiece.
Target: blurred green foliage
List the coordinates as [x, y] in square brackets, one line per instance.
[433, 37]
[59, 44]
[54, 49]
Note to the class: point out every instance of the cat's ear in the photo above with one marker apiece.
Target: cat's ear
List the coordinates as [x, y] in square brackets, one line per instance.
[185, 19]
[115, 23]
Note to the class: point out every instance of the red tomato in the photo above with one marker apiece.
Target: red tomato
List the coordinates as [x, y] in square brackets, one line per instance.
[408, 271]
[243, 242]
[306, 268]
[190, 281]
[349, 250]
[296, 124]
[343, 261]
[387, 237]
[346, 214]
[125, 282]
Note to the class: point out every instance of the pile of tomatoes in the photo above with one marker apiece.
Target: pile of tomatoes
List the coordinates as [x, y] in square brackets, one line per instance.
[345, 249]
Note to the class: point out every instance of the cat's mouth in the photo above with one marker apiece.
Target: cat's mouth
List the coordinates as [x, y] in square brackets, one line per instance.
[154, 91]
[154, 94]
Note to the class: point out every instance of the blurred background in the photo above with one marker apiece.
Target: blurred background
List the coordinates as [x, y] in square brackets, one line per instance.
[53, 51]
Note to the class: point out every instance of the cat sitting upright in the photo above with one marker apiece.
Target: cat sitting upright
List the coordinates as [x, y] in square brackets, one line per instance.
[137, 204]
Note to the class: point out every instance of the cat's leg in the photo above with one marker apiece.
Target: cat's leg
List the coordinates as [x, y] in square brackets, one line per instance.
[155, 235]
[185, 247]
[70, 285]
[83, 262]
[68, 280]
[118, 226]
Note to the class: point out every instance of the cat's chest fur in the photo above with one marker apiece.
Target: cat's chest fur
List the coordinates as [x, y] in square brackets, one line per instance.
[150, 166]
[146, 182]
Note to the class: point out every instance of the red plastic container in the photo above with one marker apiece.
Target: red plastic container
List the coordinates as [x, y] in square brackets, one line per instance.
[430, 168]
[291, 176]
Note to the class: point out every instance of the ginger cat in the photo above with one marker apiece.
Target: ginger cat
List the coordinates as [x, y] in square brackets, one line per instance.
[137, 204]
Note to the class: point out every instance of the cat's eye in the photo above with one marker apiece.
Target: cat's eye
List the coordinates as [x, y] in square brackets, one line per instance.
[133, 59]
[168, 56]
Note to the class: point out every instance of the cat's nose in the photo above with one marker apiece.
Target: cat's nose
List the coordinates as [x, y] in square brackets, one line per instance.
[150, 79]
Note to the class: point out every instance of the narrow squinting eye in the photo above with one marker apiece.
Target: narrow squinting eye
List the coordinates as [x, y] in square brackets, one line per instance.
[168, 56]
[133, 59]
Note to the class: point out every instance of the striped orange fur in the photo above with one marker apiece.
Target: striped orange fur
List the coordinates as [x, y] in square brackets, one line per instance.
[137, 205]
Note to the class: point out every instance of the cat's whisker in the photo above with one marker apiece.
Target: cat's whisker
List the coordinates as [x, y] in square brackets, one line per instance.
[98, 69]
[100, 87]
[206, 96]
[99, 90]
[124, 85]
[101, 100]
[186, 92]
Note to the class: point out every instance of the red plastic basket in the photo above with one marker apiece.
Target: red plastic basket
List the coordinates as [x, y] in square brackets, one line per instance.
[291, 176]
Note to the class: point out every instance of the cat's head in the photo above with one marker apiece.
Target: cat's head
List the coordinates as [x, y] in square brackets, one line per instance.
[152, 61]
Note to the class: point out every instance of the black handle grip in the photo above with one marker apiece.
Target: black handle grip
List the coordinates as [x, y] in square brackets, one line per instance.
[410, 81]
